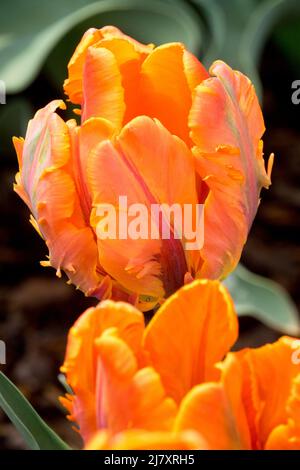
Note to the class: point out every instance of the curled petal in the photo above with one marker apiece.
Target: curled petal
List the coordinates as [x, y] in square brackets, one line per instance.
[114, 79]
[46, 184]
[287, 436]
[226, 127]
[104, 66]
[81, 360]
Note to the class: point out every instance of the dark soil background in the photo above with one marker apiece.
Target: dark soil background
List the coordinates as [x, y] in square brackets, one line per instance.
[37, 308]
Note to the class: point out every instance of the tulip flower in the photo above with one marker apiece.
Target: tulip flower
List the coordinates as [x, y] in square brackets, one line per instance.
[173, 383]
[158, 129]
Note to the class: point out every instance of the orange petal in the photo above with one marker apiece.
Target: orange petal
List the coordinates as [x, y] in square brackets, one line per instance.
[19, 144]
[139, 439]
[128, 397]
[84, 139]
[166, 91]
[129, 56]
[81, 360]
[215, 410]
[226, 126]
[73, 84]
[267, 406]
[102, 85]
[131, 262]
[287, 436]
[47, 186]
[125, 50]
[284, 437]
[37, 143]
[194, 328]
[143, 265]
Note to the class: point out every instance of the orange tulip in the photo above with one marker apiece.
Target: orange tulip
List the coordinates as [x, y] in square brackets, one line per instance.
[256, 402]
[167, 384]
[125, 376]
[157, 128]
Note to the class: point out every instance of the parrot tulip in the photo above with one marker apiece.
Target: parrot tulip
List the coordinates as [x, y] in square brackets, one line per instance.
[156, 128]
[146, 387]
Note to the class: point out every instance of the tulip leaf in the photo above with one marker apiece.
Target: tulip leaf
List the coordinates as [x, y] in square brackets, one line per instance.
[26, 42]
[263, 299]
[35, 432]
[239, 30]
[262, 21]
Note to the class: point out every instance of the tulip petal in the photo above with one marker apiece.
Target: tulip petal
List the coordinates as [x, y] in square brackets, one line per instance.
[215, 410]
[287, 436]
[146, 440]
[128, 397]
[267, 406]
[131, 262]
[141, 264]
[46, 184]
[81, 356]
[19, 144]
[123, 54]
[194, 328]
[84, 139]
[73, 84]
[284, 437]
[102, 85]
[129, 56]
[166, 91]
[226, 126]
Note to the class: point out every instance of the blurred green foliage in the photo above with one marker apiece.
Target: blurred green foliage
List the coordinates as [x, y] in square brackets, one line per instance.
[35, 33]
[264, 300]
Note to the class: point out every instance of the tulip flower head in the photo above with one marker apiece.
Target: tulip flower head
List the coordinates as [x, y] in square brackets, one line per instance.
[157, 129]
[174, 382]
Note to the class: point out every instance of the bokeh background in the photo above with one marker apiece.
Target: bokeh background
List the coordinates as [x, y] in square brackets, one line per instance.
[37, 38]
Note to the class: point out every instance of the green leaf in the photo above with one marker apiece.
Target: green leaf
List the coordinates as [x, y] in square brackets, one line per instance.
[265, 17]
[35, 432]
[239, 30]
[26, 41]
[263, 299]
[227, 22]
[215, 32]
